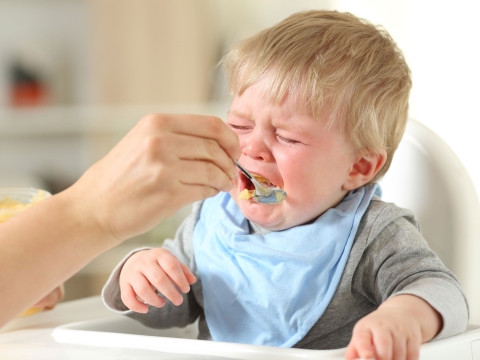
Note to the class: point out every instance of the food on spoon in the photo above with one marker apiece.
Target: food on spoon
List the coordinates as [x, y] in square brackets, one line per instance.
[247, 194]
[275, 197]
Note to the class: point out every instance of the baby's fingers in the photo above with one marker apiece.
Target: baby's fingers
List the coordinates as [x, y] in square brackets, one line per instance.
[168, 278]
[170, 269]
[384, 343]
[131, 300]
[145, 293]
[164, 285]
[361, 346]
[188, 274]
[413, 348]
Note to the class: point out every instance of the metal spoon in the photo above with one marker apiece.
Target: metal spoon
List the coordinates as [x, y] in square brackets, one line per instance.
[263, 194]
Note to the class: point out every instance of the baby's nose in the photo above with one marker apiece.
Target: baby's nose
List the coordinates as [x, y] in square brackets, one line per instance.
[256, 148]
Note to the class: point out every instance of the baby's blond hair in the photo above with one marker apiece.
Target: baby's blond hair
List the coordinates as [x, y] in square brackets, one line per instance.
[335, 59]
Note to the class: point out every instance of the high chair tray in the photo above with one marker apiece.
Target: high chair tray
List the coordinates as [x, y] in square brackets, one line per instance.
[121, 332]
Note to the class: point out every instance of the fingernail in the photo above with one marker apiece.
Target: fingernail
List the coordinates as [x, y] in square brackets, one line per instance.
[178, 301]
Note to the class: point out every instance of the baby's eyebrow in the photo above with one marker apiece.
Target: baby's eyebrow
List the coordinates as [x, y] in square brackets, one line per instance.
[287, 125]
[241, 114]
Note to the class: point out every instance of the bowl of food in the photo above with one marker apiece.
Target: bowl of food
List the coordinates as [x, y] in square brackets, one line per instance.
[14, 200]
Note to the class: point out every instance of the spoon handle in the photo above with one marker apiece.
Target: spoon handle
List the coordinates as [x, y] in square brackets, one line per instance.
[242, 169]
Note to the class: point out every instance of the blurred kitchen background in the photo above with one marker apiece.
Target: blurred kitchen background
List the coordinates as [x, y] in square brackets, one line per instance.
[76, 75]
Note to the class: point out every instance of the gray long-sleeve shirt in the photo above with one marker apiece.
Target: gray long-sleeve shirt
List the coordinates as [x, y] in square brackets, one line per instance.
[389, 257]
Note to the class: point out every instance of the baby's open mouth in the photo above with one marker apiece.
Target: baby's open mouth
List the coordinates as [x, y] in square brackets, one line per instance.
[263, 181]
[248, 189]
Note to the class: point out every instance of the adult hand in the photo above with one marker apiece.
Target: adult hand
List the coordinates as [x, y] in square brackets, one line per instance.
[52, 299]
[164, 163]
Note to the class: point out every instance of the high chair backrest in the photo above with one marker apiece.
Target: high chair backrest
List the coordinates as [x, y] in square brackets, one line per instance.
[428, 178]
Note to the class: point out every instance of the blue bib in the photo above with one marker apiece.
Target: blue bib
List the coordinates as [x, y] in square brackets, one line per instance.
[271, 289]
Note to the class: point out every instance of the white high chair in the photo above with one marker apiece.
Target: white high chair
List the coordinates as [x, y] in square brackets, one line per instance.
[425, 176]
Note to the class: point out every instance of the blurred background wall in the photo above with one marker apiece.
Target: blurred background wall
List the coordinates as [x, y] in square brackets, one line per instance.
[76, 75]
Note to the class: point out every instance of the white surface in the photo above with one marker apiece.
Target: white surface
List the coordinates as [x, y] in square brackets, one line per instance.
[428, 178]
[476, 350]
[118, 331]
[86, 330]
[103, 335]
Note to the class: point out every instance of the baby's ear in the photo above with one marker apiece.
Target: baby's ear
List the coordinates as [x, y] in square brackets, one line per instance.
[365, 169]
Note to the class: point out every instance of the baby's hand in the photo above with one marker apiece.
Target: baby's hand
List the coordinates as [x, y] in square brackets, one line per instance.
[385, 335]
[150, 270]
[395, 330]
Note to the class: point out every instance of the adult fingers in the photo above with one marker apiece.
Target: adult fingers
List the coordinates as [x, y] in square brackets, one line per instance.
[51, 300]
[188, 147]
[209, 127]
[203, 173]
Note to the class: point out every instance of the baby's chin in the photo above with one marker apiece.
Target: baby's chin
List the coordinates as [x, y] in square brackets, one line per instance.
[267, 216]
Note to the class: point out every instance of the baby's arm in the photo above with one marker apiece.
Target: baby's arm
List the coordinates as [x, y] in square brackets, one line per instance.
[416, 294]
[150, 270]
[395, 330]
[170, 314]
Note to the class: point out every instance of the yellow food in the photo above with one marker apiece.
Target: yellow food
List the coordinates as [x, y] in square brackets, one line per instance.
[280, 196]
[261, 179]
[246, 194]
[9, 207]
[31, 311]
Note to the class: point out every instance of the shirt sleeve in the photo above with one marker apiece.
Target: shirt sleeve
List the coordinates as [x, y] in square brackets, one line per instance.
[397, 260]
[169, 315]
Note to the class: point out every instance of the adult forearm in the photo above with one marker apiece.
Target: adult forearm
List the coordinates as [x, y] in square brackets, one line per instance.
[39, 252]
